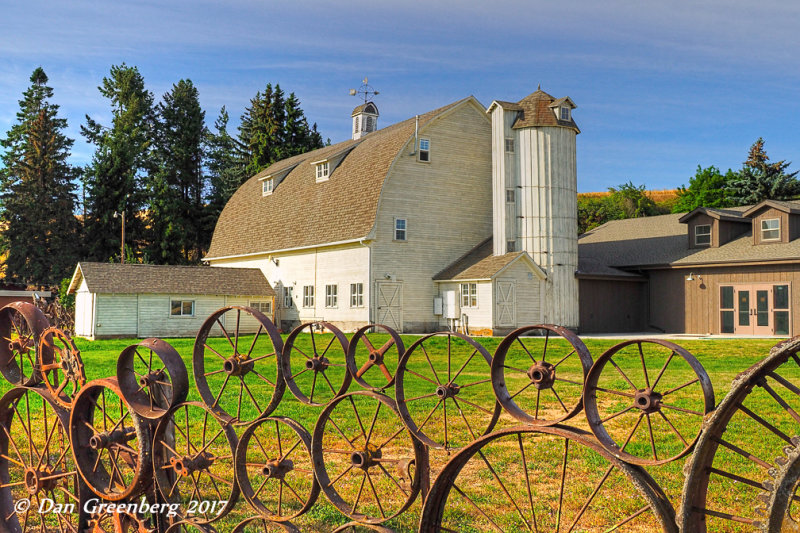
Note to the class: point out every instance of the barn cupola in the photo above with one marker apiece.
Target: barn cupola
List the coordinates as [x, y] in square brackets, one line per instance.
[365, 119]
[365, 116]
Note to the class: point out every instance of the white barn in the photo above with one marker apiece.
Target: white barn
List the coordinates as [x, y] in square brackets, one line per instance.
[461, 214]
[132, 300]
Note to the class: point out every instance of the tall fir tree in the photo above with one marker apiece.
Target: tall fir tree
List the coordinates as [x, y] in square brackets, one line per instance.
[177, 208]
[761, 180]
[115, 180]
[40, 238]
[225, 168]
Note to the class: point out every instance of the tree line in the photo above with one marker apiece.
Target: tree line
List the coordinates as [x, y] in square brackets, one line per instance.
[759, 179]
[156, 161]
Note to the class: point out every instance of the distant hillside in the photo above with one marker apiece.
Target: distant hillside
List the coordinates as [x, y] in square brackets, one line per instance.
[660, 196]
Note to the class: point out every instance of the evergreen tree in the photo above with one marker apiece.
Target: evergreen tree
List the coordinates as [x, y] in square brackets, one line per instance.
[115, 180]
[761, 180]
[177, 187]
[40, 236]
[708, 188]
[226, 170]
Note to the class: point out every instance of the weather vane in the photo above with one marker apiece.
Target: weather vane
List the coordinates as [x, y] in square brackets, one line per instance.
[366, 90]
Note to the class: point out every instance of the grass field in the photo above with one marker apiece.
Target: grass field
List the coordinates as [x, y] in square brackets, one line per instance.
[722, 359]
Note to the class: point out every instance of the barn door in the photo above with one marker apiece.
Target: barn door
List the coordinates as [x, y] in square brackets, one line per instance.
[390, 304]
[505, 304]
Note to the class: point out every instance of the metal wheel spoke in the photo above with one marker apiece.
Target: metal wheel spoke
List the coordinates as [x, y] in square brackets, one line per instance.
[255, 339]
[377, 499]
[430, 364]
[618, 413]
[681, 386]
[504, 489]
[674, 429]
[652, 438]
[481, 511]
[663, 369]
[644, 366]
[623, 374]
[565, 358]
[553, 390]
[526, 349]
[591, 497]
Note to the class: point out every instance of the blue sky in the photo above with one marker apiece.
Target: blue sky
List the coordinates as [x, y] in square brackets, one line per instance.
[660, 86]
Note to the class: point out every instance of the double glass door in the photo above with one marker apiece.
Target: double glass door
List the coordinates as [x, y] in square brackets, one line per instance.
[754, 309]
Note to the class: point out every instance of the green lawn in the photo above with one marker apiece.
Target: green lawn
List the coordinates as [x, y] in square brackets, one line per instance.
[722, 359]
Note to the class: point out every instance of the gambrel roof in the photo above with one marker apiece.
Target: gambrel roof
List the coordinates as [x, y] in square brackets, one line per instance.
[115, 278]
[302, 213]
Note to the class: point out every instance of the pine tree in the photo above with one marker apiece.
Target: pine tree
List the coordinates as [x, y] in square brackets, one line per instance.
[177, 187]
[115, 178]
[760, 180]
[226, 171]
[40, 236]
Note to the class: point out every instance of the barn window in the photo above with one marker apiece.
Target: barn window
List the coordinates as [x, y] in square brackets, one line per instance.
[323, 170]
[469, 295]
[400, 227]
[356, 295]
[510, 145]
[331, 295]
[182, 308]
[266, 187]
[263, 307]
[287, 297]
[564, 113]
[308, 296]
[771, 229]
[702, 235]
[511, 246]
[511, 196]
[425, 150]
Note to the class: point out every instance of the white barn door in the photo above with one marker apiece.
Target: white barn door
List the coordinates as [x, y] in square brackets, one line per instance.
[505, 304]
[390, 304]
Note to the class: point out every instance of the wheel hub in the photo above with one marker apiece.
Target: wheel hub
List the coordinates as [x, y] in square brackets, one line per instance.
[365, 459]
[237, 366]
[376, 358]
[277, 469]
[317, 364]
[150, 379]
[647, 400]
[447, 391]
[100, 441]
[542, 374]
[187, 465]
[43, 479]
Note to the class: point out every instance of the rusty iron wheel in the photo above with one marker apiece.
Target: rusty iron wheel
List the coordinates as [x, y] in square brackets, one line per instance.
[118, 523]
[193, 460]
[745, 467]
[357, 526]
[530, 478]
[639, 393]
[152, 377]
[259, 524]
[36, 464]
[64, 374]
[21, 325]
[111, 443]
[250, 367]
[372, 358]
[424, 385]
[358, 449]
[322, 370]
[190, 526]
[274, 468]
[538, 374]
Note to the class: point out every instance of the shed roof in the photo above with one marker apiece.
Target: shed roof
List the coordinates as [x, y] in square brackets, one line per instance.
[115, 278]
[479, 263]
[300, 212]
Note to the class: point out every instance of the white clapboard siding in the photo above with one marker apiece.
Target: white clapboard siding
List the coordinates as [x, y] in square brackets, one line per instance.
[84, 311]
[478, 317]
[155, 319]
[115, 315]
[447, 203]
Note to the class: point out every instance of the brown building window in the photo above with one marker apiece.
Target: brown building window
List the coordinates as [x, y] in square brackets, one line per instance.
[771, 229]
[702, 235]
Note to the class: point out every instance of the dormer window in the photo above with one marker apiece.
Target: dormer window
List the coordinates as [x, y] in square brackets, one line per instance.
[323, 170]
[266, 187]
[424, 150]
[702, 235]
[563, 112]
[771, 229]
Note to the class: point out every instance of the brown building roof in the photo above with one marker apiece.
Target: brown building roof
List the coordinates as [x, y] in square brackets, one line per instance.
[301, 212]
[662, 241]
[115, 278]
[536, 111]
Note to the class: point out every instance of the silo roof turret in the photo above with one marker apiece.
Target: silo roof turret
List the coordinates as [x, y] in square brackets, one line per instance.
[541, 109]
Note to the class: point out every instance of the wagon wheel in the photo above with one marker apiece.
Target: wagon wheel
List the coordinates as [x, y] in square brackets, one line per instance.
[36, 463]
[239, 361]
[358, 450]
[190, 526]
[356, 527]
[530, 478]
[21, 324]
[316, 371]
[427, 382]
[118, 523]
[193, 460]
[152, 377]
[539, 379]
[258, 524]
[111, 443]
[745, 467]
[372, 357]
[274, 456]
[64, 375]
[639, 393]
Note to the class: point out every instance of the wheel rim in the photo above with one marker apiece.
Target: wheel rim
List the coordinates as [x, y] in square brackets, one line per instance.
[64, 375]
[372, 357]
[317, 372]
[21, 324]
[152, 377]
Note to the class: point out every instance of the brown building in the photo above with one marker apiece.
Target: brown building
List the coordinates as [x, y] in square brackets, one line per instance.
[722, 271]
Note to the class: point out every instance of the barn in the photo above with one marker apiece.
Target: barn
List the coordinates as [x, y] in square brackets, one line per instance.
[134, 300]
[459, 217]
